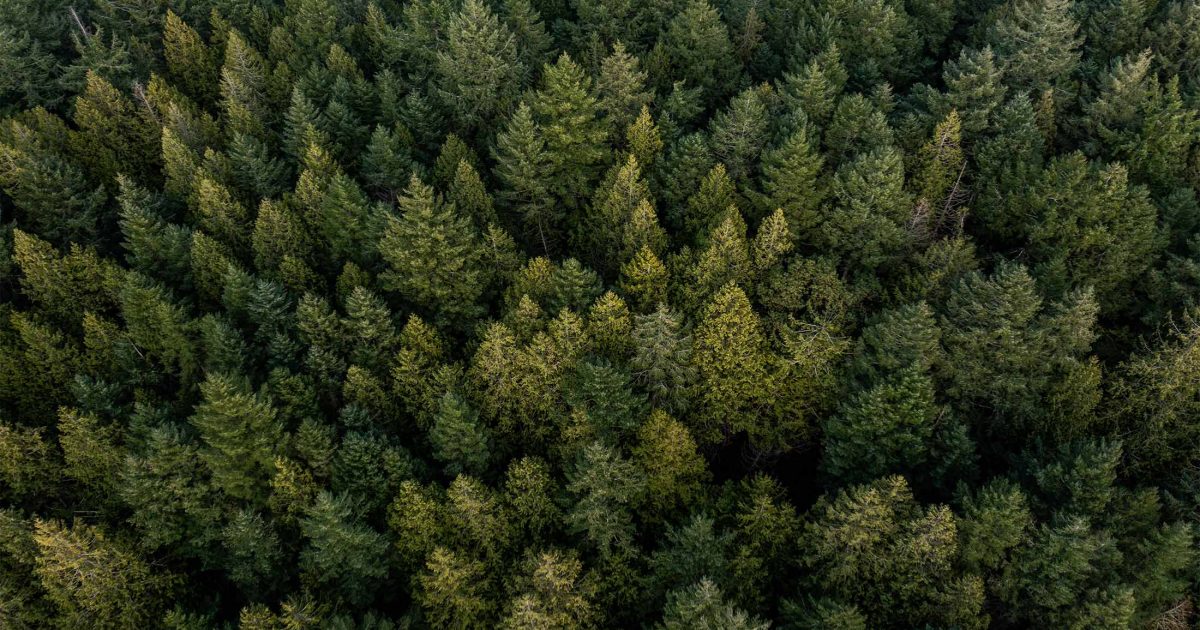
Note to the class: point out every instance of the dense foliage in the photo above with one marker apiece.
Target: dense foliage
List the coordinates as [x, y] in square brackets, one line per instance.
[553, 314]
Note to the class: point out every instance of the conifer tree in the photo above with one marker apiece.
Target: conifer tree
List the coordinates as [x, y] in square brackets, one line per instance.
[890, 575]
[553, 595]
[91, 451]
[642, 230]
[113, 136]
[342, 553]
[865, 226]
[93, 581]
[152, 246]
[732, 367]
[256, 170]
[710, 203]
[157, 326]
[1038, 42]
[534, 42]
[386, 163]
[241, 432]
[726, 259]
[644, 280]
[675, 471]
[573, 133]
[811, 92]
[458, 439]
[703, 605]
[602, 229]
[1093, 210]
[739, 132]
[791, 180]
[940, 162]
[433, 256]
[254, 549]
[1034, 351]
[644, 140]
[54, 195]
[621, 90]
[662, 359]
[61, 286]
[478, 73]
[699, 52]
[974, 87]
[244, 95]
[606, 487]
[609, 326]
[467, 193]
[451, 592]
[522, 163]
[886, 429]
[190, 63]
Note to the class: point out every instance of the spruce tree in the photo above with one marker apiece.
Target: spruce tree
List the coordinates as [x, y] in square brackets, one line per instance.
[94, 581]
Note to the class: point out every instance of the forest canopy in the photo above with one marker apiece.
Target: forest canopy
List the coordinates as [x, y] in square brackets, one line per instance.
[581, 314]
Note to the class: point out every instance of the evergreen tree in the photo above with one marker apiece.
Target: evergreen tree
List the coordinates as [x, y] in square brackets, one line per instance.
[244, 94]
[974, 87]
[1091, 206]
[93, 581]
[791, 180]
[616, 202]
[241, 432]
[703, 605]
[675, 471]
[458, 439]
[478, 73]
[644, 280]
[1035, 354]
[732, 367]
[433, 256]
[698, 51]
[621, 90]
[886, 429]
[92, 452]
[552, 595]
[190, 63]
[811, 92]
[341, 554]
[450, 591]
[739, 132]
[254, 549]
[709, 204]
[53, 194]
[866, 225]
[152, 246]
[903, 572]
[1038, 42]
[522, 164]
[113, 136]
[606, 486]
[568, 116]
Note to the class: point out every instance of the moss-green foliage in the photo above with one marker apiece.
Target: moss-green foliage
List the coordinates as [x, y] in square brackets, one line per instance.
[579, 314]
